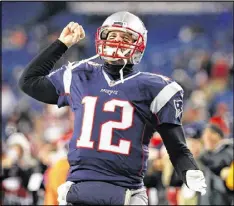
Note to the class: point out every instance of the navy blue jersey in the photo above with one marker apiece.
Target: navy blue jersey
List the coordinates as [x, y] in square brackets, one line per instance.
[114, 121]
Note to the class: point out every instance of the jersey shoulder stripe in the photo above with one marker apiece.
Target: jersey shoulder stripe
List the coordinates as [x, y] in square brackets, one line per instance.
[164, 96]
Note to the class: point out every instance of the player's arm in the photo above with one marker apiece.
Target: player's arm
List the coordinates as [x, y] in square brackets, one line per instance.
[174, 141]
[181, 157]
[167, 107]
[33, 81]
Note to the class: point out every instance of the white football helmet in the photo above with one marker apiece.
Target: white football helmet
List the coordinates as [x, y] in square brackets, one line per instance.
[112, 51]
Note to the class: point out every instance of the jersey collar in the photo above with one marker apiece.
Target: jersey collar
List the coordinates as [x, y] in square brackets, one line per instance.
[112, 82]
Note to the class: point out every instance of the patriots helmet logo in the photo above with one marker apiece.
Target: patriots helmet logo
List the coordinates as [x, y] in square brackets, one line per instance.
[178, 107]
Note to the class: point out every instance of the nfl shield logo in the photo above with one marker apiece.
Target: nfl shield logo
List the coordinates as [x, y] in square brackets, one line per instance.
[178, 107]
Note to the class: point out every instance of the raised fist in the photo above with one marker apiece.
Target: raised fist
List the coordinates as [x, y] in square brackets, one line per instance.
[72, 34]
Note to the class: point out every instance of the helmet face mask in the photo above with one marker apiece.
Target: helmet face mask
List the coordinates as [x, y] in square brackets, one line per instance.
[111, 50]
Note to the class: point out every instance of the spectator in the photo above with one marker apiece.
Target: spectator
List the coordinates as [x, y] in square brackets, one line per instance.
[195, 108]
[218, 155]
[153, 177]
[58, 170]
[229, 177]
[17, 166]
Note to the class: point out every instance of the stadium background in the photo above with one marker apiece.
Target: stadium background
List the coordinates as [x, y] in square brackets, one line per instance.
[190, 42]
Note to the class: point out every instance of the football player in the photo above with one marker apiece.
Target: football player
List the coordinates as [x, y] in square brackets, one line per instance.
[117, 108]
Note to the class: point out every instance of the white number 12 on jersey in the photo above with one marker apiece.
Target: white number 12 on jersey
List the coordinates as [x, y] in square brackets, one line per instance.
[106, 134]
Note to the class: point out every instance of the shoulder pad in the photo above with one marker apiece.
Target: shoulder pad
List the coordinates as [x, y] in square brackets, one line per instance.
[165, 78]
[93, 63]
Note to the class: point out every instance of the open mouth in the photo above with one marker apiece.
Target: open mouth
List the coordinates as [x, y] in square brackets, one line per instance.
[117, 49]
[117, 52]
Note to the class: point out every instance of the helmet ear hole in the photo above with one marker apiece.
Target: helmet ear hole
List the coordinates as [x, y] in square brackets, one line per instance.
[104, 34]
[134, 37]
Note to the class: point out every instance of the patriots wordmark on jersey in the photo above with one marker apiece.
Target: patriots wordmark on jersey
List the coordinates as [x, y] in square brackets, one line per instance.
[114, 121]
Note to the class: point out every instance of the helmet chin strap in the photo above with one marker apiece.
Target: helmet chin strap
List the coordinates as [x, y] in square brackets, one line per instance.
[97, 55]
[120, 53]
[72, 65]
[93, 57]
[121, 71]
[125, 62]
[110, 51]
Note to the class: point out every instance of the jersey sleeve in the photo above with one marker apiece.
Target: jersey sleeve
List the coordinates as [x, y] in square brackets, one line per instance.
[61, 79]
[167, 103]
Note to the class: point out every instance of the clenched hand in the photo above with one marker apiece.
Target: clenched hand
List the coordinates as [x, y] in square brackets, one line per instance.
[72, 34]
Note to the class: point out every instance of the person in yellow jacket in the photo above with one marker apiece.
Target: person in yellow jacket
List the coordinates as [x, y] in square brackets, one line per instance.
[57, 175]
[228, 176]
[58, 170]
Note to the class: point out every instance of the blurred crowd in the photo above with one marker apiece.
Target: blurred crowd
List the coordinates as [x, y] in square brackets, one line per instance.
[35, 135]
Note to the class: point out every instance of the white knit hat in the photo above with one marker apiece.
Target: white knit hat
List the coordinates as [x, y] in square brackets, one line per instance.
[20, 139]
